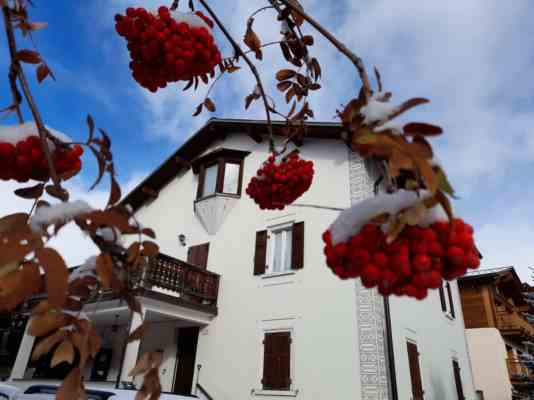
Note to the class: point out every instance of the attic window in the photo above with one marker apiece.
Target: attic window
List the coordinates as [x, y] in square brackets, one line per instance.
[220, 172]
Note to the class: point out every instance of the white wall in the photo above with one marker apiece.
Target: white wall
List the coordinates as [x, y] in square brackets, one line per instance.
[439, 339]
[162, 336]
[316, 305]
[488, 355]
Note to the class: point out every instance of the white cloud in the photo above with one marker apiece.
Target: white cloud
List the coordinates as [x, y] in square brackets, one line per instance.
[71, 243]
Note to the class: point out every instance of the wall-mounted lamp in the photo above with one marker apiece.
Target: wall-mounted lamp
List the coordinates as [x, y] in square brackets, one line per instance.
[181, 238]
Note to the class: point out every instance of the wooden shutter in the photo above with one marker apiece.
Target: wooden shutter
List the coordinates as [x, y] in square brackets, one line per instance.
[415, 372]
[458, 380]
[449, 292]
[297, 246]
[442, 299]
[260, 256]
[201, 178]
[198, 255]
[277, 361]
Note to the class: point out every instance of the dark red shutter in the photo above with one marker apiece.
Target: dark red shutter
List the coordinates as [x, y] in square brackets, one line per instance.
[277, 361]
[297, 246]
[260, 256]
[198, 255]
[201, 177]
[449, 292]
[415, 372]
[442, 299]
[458, 380]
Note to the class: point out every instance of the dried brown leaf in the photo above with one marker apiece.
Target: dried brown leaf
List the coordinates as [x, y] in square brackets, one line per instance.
[285, 74]
[115, 192]
[142, 366]
[209, 104]
[104, 269]
[43, 324]
[42, 72]
[198, 110]
[149, 232]
[28, 56]
[139, 332]
[149, 248]
[308, 40]
[46, 344]
[57, 192]
[71, 387]
[283, 86]
[57, 275]
[252, 40]
[64, 353]
[420, 128]
[32, 192]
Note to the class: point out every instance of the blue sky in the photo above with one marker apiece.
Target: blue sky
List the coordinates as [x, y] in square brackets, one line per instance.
[473, 58]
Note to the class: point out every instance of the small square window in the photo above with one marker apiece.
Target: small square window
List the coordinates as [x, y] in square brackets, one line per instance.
[220, 172]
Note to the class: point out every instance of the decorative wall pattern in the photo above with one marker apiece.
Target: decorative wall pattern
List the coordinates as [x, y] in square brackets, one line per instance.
[370, 305]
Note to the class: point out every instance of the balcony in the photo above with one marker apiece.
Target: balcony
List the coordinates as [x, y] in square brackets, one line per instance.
[513, 324]
[191, 286]
[520, 374]
[168, 280]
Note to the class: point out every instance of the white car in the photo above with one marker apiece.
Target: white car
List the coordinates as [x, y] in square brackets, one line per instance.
[48, 392]
[8, 392]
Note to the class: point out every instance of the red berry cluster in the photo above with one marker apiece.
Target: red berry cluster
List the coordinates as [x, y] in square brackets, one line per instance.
[281, 183]
[26, 160]
[164, 50]
[418, 260]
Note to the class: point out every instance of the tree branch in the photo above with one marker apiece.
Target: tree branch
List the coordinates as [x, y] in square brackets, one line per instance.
[43, 133]
[240, 53]
[357, 61]
[13, 70]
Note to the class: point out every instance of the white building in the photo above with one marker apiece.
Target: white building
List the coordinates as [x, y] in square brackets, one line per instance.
[268, 318]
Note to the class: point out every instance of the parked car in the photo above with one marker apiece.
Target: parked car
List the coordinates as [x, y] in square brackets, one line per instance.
[48, 392]
[8, 392]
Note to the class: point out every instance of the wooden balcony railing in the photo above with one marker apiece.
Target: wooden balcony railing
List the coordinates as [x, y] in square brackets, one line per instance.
[188, 282]
[520, 374]
[514, 324]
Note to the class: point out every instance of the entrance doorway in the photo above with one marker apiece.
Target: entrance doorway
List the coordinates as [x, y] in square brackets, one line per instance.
[185, 360]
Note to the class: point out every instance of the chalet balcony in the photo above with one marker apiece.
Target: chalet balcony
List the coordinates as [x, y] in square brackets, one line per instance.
[520, 373]
[513, 324]
[171, 281]
[192, 286]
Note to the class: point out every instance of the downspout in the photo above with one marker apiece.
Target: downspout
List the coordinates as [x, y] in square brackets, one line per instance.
[390, 351]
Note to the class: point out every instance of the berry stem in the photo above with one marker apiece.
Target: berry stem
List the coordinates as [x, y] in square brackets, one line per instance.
[239, 52]
[17, 67]
[357, 61]
[13, 69]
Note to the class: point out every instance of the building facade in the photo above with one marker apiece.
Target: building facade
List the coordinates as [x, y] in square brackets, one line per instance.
[499, 335]
[254, 311]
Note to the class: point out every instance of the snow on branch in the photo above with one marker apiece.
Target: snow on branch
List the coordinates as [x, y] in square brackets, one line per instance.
[59, 213]
[350, 221]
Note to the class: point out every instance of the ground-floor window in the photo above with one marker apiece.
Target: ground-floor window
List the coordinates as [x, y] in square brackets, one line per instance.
[276, 361]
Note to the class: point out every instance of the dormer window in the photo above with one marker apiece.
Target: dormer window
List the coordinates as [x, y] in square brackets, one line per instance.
[220, 172]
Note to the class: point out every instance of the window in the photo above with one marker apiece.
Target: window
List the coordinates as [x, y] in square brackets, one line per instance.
[198, 255]
[279, 259]
[446, 298]
[220, 171]
[277, 361]
[458, 380]
[279, 249]
[415, 372]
